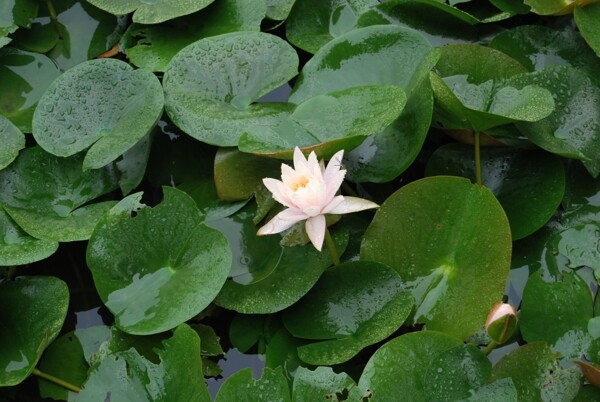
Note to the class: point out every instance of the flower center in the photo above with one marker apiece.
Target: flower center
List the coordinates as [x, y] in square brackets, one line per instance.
[301, 182]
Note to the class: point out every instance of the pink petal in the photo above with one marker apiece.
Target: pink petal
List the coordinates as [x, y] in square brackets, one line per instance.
[300, 161]
[277, 188]
[352, 204]
[315, 229]
[332, 204]
[334, 166]
[282, 221]
[333, 183]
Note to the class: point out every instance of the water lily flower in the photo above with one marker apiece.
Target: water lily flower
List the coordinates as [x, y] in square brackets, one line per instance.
[501, 322]
[308, 190]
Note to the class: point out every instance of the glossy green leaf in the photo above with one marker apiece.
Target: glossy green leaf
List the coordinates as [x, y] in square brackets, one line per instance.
[272, 386]
[15, 13]
[573, 129]
[551, 7]
[536, 375]
[580, 245]
[279, 9]
[282, 351]
[399, 367]
[153, 46]
[24, 77]
[587, 21]
[210, 85]
[210, 344]
[501, 390]
[454, 372]
[39, 38]
[319, 384]
[151, 12]
[130, 376]
[17, 247]
[132, 165]
[49, 197]
[175, 270]
[313, 23]
[529, 184]
[245, 330]
[104, 105]
[12, 140]
[439, 233]
[352, 306]
[33, 311]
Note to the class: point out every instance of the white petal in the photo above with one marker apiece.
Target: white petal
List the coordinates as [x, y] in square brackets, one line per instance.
[333, 203]
[278, 190]
[315, 229]
[334, 165]
[352, 204]
[300, 161]
[282, 221]
[333, 183]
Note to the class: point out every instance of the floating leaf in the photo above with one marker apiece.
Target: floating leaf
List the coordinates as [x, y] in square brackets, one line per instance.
[581, 245]
[175, 271]
[49, 196]
[15, 13]
[279, 9]
[12, 140]
[319, 384]
[151, 12]
[132, 165]
[272, 386]
[33, 311]
[210, 85]
[102, 104]
[501, 390]
[439, 233]
[352, 306]
[587, 21]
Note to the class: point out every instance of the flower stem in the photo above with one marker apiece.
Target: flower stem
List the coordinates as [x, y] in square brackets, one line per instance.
[331, 246]
[491, 346]
[477, 158]
[56, 380]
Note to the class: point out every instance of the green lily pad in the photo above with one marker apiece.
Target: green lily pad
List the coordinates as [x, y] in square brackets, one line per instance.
[246, 330]
[282, 351]
[529, 184]
[535, 373]
[49, 197]
[537, 46]
[279, 9]
[352, 306]
[400, 366]
[153, 46]
[130, 376]
[587, 21]
[102, 104]
[34, 309]
[15, 13]
[313, 23]
[210, 85]
[553, 7]
[132, 165]
[439, 233]
[580, 245]
[151, 12]
[261, 266]
[454, 372]
[39, 38]
[176, 269]
[501, 390]
[272, 386]
[320, 384]
[24, 77]
[12, 140]
[17, 247]
[573, 129]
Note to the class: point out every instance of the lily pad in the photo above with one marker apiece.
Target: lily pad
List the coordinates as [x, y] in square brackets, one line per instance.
[34, 309]
[552, 7]
[12, 140]
[24, 77]
[210, 85]
[352, 306]
[49, 196]
[313, 23]
[501, 390]
[400, 366]
[153, 46]
[130, 376]
[279, 9]
[272, 386]
[439, 233]
[529, 199]
[102, 104]
[151, 12]
[580, 244]
[319, 384]
[15, 13]
[175, 271]
[587, 22]
[132, 165]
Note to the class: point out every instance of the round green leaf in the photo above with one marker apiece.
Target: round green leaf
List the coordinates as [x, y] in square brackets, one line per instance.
[313, 23]
[454, 372]
[321, 384]
[450, 242]
[24, 77]
[587, 21]
[33, 311]
[49, 196]
[535, 373]
[39, 38]
[12, 140]
[279, 9]
[502, 390]
[15, 13]
[573, 129]
[17, 247]
[352, 306]
[210, 85]
[399, 367]
[102, 104]
[581, 245]
[153, 46]
[151, 12]
[272, 386]
[528, 184]
[175, 270]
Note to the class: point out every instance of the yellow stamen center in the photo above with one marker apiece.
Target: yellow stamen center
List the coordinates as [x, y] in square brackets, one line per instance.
[301, 182]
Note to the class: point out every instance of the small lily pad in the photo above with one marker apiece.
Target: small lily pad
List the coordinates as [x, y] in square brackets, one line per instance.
[151, 12]
[319, 384]
[12, 140]
[102, 104]
[352, 306]
[49, 196]
[34, 309]
[587, 21]
[175, 271]
[580, 245]
[279, 9]
[272, 386]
